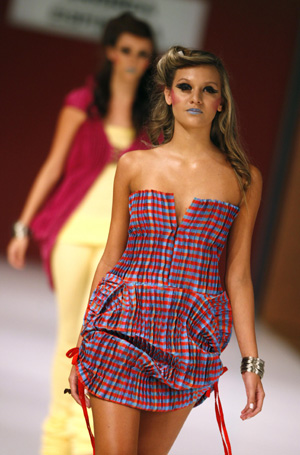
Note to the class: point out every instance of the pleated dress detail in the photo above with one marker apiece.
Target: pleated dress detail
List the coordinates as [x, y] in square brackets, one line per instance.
[157, 323]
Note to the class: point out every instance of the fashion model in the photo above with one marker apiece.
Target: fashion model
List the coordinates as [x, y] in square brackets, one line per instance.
[69, 206]
[158, 318]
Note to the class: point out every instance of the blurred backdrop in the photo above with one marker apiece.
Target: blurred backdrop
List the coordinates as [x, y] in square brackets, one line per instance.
[48, 47]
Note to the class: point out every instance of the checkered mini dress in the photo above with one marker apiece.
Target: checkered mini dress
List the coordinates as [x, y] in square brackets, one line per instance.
[157, 322]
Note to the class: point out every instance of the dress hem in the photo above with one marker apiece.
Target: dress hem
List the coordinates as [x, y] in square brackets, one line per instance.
[198, 400]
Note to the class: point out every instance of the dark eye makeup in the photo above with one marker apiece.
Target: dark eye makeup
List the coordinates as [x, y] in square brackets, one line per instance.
[144, 54]
[128, 50]
[210, 89]
[184, 86]
[125, 50]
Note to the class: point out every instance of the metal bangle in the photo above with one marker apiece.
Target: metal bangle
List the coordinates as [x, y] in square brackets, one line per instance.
[252, 359]
[253, 370]
[20, 230]
[253, 365]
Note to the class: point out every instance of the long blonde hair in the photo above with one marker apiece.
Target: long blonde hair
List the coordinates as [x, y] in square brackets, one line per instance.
[223, 132]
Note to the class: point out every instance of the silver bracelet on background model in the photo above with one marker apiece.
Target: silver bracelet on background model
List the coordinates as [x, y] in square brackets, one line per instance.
[20, 230]
[253, 365]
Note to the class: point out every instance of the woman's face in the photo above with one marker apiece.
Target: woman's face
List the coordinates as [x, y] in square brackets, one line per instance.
[130, 56]
[195, 95]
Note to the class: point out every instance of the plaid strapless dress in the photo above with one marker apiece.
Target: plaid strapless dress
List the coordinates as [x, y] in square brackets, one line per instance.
[157, 322]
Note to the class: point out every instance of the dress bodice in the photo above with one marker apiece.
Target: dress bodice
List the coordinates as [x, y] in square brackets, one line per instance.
[162, 252]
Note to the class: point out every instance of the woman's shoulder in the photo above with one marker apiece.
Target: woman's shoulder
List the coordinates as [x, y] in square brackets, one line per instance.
[136, 162]
[137, 157]
[256, 176]
[254, 191]
[80, 97]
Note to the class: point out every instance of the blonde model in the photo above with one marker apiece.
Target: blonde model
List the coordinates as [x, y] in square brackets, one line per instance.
[158, 318]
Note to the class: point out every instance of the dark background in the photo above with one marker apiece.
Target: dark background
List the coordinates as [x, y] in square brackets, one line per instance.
[257, 41]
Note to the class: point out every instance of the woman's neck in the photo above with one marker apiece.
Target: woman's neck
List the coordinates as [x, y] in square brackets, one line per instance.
[192, 143]
[122, 96]
[123, 89]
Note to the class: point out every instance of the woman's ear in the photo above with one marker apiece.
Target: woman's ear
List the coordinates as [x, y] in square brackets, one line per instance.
[220, 107]
[168, 98]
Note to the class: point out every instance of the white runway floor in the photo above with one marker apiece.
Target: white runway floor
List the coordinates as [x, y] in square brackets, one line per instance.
[27, 323]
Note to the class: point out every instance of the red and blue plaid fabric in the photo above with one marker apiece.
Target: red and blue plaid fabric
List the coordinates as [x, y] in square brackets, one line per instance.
[156, 324]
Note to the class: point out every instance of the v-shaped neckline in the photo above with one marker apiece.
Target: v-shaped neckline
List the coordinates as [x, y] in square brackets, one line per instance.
[203, 200]
[186, 212]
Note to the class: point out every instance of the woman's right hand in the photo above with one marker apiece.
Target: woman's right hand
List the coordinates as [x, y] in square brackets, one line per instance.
[16, 251]
[73, 381]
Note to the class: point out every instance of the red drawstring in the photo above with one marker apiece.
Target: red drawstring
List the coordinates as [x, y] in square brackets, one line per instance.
[74, 353]
[220, 419]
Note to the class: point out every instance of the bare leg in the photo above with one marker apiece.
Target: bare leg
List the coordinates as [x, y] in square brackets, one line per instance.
[158, 430]
[116, 428]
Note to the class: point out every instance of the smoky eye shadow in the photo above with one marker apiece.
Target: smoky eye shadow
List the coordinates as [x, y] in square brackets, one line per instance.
[125, 50]
[211, 89]
[144, 54]
[184, 86]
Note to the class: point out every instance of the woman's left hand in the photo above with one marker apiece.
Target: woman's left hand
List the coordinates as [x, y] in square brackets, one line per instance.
[255, 395]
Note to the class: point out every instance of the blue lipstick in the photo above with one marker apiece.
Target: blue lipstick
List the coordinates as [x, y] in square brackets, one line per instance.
[131, 70]
[195, 111]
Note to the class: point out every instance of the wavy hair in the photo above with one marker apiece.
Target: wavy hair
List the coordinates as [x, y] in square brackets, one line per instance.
[224, 132]
[125, 23]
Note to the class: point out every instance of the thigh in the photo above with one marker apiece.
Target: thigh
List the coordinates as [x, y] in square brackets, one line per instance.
[158, 430]
[116, 428]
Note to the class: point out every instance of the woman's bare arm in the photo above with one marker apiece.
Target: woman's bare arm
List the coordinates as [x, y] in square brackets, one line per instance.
[240, 289]
[69, 120]
[117, 238]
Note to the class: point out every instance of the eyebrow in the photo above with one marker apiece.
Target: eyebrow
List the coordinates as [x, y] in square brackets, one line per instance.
[188, 80]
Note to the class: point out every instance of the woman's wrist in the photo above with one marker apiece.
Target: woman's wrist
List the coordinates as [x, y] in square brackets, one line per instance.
[20, 230]
[253, 365]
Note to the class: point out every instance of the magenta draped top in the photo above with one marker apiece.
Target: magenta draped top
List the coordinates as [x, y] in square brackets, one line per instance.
[89, 153]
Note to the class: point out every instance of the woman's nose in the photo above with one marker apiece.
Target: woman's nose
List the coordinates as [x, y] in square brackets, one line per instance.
[197, 97]
[133, 58]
